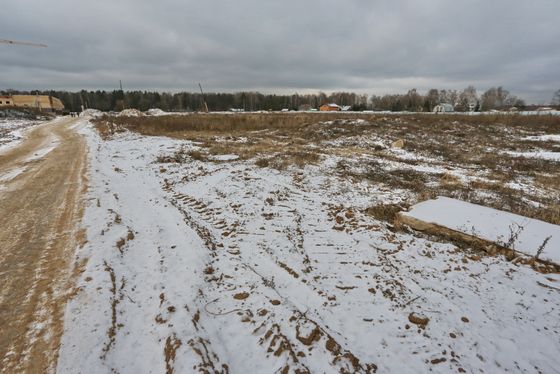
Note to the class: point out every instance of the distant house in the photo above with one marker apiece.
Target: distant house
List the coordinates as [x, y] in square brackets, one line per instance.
[443, 108]
[330, 108]
[6, 101]
[41, 102]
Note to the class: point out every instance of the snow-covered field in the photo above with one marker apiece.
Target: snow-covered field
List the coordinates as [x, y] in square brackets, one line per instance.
[220, 265]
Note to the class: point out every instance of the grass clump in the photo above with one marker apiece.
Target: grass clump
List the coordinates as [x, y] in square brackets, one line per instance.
[384, 212]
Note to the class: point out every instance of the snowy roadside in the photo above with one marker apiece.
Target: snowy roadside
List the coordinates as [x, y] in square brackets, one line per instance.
[227, 266]
[12, 132]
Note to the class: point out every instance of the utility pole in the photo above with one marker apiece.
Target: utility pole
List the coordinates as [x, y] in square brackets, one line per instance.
[82, 102]
[203, 99]
[122, 93]
[37, 102]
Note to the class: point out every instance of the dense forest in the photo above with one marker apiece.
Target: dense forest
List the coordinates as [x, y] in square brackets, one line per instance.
[467, 99]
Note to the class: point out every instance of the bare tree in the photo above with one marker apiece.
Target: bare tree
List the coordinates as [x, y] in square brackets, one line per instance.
[497, 98]
[467, 99]
[448, 97]
[431, 100]
[413, 101]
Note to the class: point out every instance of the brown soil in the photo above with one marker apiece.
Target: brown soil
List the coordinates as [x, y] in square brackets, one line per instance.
[39, 212]
[170, 350]
[241, 296]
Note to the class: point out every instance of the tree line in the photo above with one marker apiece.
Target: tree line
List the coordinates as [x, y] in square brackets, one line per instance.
[464, 100]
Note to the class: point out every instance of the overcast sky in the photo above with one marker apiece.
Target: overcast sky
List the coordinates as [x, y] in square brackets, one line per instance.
[366, 46]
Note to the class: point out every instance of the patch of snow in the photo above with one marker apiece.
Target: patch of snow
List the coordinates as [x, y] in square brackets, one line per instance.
[544, 155]
[230, 139]
[523, 234]
[130, 113]
[6, 177]
[544, 138]
[94, 113]
[48, 146]
[224, 157]
[405, 155]
[550, 112]
[156, 112]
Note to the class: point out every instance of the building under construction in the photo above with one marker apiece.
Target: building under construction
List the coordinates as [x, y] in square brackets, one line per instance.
[45, 103]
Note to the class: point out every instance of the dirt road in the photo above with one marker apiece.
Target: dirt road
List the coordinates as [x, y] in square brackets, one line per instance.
[41, 186]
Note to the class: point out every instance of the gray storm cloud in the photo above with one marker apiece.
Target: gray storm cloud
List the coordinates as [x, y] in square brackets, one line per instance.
[375, 46]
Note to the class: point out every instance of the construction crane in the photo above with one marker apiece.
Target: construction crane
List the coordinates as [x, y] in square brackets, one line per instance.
[6, 41]
[203, 99]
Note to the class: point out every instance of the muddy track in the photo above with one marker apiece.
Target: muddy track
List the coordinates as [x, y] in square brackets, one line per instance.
[39, 211]
[291, 340]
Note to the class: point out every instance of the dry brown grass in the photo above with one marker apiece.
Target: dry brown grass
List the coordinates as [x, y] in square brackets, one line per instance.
[197, 155]
[459, 126]
[262, 162]
[385, 212]
[178, 157]
[299, 158]
[205, 124]
[547, 180]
